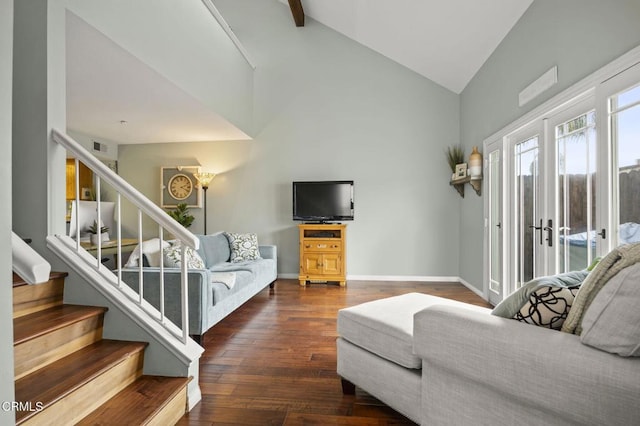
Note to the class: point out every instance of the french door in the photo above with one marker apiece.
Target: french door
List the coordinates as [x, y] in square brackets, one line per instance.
[550, 203]
[525, 222]
[494, 234]
[620, 99]
[573, 182]
[564, 188]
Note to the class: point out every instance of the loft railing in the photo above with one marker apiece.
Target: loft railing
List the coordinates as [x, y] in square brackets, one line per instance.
[144, 206]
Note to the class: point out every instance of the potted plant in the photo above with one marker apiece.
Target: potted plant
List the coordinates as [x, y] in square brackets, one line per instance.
[181, 215]
[98, 233]
[455, 156]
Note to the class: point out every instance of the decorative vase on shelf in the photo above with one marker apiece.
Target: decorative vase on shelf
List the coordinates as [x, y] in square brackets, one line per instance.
[94, 238]
[475, 163]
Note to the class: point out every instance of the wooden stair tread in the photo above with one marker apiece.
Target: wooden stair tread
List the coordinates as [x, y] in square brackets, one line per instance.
[39, 323]
[58, 379]
[138, 402]
[19, 281]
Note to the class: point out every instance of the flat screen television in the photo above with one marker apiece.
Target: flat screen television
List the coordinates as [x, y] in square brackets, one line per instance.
[323, 201]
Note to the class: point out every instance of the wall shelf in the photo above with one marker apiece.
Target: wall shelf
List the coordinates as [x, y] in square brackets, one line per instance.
[476, 184]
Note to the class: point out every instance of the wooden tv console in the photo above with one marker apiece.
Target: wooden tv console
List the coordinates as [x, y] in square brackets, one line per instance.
[323, 253]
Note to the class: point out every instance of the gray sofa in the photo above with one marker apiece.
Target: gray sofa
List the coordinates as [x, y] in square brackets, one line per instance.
[482, 369]
[210, 297]
[441, 362]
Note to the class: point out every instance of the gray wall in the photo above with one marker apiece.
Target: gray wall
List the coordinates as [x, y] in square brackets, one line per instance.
[579, 36]
[328, 108]
[6, 308]
[39, 179]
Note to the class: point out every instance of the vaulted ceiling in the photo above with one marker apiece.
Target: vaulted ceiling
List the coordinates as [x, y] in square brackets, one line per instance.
[114, 95]
[446, 41]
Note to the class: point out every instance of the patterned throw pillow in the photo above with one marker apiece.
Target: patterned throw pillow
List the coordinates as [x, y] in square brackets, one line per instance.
[243, 247]
[173, 257]
[547, 306]
[512, 304]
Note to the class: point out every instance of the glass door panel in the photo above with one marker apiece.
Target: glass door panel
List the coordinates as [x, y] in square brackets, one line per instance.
[576, 192]
[625, 132]
[527, 199]
[494, 222]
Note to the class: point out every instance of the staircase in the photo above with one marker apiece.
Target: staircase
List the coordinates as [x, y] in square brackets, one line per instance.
[66, 373]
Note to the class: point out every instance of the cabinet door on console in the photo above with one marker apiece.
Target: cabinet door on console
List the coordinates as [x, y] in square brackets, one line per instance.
[331, 264]
[312, 264]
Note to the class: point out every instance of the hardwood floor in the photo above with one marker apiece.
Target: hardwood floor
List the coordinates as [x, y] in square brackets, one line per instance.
[273, 361]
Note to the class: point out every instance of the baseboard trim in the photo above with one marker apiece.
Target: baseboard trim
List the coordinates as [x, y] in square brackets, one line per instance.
[474, 289]
[194, 396]
[413, 278]
[288, 276]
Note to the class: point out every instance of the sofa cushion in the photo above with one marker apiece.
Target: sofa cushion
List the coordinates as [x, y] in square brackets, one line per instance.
[243, 246]
[612, 321]
[513, 303]
[173, 257]
[385, 327]
[263, 270]
[214, 249]
[547, 306]
[221, 291]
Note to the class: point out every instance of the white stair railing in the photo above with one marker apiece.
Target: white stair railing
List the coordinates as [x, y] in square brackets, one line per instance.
[144, 206]
[27, 262]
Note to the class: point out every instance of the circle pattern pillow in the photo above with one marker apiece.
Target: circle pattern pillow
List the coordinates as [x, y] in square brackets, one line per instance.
[243, 247]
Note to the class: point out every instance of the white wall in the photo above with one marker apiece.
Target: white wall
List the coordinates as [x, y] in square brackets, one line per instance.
[579, 36]
[87, 142]
[184, 44]
[6, 299]
[328, 108]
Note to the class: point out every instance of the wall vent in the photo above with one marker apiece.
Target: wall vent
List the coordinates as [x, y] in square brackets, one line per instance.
[544, 82]
[100, 147]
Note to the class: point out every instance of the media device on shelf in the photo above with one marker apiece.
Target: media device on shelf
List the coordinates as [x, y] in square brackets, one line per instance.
[323, 201]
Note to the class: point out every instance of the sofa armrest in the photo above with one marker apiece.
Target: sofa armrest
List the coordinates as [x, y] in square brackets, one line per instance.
[200, 296]
[528, 366]
[268, 252]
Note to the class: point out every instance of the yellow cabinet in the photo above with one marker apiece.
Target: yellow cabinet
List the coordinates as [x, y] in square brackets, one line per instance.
[85, 178]
[322, 253]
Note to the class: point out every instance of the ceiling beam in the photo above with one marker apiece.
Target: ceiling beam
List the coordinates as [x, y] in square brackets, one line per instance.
[297, 12]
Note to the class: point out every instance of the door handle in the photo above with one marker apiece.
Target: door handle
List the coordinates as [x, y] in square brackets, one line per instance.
[603, 234]
[538, 228]
[549, 229]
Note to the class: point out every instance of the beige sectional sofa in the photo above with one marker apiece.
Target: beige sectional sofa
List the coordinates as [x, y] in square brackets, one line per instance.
[441, 362]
